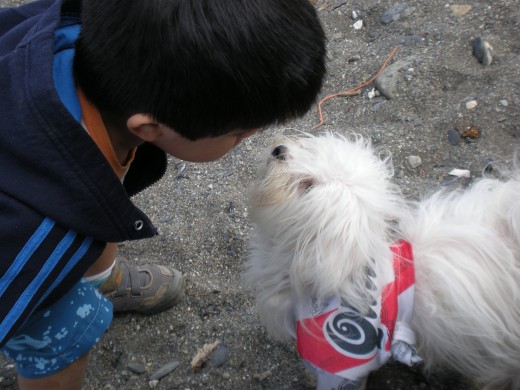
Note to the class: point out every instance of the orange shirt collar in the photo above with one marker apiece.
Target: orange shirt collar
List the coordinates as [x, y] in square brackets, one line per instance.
[95, 126]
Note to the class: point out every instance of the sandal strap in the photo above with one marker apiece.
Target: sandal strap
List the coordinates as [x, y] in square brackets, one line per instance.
[130, 277]
[146, 289]
[135, 283]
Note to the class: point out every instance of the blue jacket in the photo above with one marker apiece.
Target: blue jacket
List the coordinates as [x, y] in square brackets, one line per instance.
[59, 199]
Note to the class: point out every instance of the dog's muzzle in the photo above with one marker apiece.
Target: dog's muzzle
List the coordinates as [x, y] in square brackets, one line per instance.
[280, 152]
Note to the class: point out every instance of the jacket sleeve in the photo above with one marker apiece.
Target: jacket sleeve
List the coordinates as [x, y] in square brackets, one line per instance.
[39, 262]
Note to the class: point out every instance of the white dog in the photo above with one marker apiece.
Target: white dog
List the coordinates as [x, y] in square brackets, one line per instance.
[343, 264]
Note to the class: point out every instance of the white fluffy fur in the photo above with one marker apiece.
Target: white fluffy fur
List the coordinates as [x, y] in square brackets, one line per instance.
[327, 214]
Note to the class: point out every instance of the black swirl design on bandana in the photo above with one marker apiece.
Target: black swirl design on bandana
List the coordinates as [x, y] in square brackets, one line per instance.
[351, 334]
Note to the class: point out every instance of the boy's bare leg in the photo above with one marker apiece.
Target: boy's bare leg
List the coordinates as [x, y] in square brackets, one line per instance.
[104, 261]
[69, 378]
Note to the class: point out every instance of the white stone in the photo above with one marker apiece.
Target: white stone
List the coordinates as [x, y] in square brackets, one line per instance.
[358, 25]
[472, 104]
[460, 9]
[414, 161]
[460, 173]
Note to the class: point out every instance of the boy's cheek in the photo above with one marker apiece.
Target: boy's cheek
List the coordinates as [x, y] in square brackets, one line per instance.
[203, 150]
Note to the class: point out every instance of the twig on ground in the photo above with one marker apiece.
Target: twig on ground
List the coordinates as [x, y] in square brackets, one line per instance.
[353, 91]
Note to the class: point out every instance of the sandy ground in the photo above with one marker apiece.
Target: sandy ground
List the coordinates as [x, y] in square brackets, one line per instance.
[201, 211]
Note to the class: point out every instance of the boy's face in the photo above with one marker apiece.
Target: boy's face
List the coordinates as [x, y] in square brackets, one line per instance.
[201, 150]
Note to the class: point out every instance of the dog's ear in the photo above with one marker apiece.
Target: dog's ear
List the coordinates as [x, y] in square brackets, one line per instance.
[305, 185]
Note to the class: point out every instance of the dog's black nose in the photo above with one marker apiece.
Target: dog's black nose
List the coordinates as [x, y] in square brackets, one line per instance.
[279, 152]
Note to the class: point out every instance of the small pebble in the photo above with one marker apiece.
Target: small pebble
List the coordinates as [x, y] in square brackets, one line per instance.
[504, 102]
[393, 13]
[358, 25]
[411, 40]
[387, 81]
[453, 137]
[483, 51]
[460, 9]
[414, 161]
[376, 105]
[460, 173]
[220, 356]
[472, 104]
[136, 367]
[163, 371]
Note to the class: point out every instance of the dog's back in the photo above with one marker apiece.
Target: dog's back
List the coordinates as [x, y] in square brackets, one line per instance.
[467, 302]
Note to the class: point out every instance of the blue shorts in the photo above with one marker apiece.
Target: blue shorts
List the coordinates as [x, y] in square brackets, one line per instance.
[53, 338]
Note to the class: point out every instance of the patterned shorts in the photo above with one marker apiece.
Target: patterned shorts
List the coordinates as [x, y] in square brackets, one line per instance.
[56, 336]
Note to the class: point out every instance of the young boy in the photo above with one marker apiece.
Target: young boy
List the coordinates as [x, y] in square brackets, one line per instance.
[92, 95]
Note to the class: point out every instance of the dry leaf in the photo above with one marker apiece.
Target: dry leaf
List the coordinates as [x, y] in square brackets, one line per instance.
[203, 355]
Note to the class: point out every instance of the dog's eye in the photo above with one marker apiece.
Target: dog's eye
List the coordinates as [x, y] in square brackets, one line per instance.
[279, 152]
[306, 185]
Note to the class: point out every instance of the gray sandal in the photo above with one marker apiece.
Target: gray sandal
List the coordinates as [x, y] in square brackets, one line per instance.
[144, 289]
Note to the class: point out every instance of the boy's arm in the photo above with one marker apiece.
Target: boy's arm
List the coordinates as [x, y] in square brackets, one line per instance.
[39, 262]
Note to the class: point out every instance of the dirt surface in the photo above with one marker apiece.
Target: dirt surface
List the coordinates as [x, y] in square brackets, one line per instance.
[201, 212]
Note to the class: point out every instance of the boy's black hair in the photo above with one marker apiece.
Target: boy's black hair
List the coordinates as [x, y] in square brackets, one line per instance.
[201, 67]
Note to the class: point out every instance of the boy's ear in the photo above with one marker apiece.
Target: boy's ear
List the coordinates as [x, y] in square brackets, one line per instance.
[144, 127]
